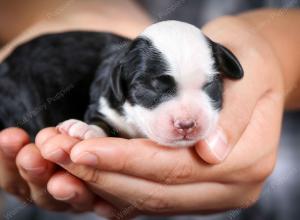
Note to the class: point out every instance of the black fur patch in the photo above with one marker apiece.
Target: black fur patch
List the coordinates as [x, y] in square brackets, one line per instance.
[49, 78]
[214, 89]
[137, 74]
[226, 62]
[227, 65]
[144, 72]
[4, 68]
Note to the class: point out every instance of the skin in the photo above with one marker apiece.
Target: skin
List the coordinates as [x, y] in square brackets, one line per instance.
[173, 186]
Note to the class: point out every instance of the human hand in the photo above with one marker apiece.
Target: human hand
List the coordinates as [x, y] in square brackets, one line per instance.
[25, 174]
[152, 179]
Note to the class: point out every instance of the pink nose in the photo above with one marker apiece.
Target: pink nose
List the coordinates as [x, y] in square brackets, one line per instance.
[185, 125]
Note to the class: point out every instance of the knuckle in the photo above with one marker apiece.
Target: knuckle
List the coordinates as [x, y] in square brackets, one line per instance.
[181, 172]
[88, 175]
[49, 145]
[174, 172]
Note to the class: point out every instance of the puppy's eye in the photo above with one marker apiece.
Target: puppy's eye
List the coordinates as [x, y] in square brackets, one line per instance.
[214, 90]
[211, 87]
[162, 81]
[207, 85]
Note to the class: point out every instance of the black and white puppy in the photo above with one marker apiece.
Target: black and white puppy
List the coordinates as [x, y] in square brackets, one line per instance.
[166, 85]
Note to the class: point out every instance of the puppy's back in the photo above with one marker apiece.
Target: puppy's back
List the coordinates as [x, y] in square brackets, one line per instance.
[47, 80]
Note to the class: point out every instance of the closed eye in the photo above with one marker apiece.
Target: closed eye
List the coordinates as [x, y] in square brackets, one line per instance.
[164, 79]
[163, 82]
[214, 90]
[207, 84]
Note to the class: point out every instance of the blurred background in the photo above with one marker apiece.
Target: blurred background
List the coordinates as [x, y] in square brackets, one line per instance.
[281, 196]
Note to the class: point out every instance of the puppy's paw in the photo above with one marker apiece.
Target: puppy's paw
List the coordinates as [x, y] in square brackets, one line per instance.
[80, 129]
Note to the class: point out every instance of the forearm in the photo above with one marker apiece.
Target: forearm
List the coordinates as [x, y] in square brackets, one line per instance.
[281, 29]
[122, 17]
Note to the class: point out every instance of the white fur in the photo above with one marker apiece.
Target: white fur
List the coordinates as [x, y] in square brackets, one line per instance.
[186, 50]
[123, 125]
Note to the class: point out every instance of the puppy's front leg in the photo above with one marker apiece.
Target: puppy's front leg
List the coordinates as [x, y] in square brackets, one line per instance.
[81, 130]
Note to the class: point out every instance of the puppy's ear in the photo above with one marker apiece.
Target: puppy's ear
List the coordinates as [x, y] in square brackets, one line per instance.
[127, 61]
[225, 61]
[117, 83]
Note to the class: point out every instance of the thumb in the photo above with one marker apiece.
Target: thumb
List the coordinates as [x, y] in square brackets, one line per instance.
[233, 121]
[215, 148]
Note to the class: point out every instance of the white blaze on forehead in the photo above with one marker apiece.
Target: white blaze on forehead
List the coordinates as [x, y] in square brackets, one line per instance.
[186, 50]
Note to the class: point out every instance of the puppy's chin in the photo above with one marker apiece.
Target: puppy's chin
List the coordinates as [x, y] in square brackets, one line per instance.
[175, 142]
[178, 143]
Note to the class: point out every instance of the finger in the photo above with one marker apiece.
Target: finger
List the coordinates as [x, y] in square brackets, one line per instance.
[145, 159]
[121, 208]
[55, 146]
[85, 173]
[37, 171]
[76, 194]
[151, 197]
[220, 142]
[79, 196]
[45, 134]
[139, 157]
[11, 141]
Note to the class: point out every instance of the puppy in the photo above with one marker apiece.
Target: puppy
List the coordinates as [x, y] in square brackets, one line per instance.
[166, 85]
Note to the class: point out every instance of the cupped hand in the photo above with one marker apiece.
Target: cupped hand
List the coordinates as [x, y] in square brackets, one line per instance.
[149, 178]
[27, 175]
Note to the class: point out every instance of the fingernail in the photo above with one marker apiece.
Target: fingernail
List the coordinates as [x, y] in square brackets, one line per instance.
[65, 198]
[218, 145]
[87, 158]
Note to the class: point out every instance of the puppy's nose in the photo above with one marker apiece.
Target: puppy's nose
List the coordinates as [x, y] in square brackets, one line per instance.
[185, 125]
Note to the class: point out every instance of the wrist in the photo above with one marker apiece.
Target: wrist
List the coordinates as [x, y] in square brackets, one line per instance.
[88, 16]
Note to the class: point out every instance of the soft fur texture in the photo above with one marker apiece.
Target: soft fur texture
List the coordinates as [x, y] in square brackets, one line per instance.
[167, 84]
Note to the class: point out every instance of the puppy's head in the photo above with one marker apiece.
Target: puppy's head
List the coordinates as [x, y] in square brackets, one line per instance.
[171, 81]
